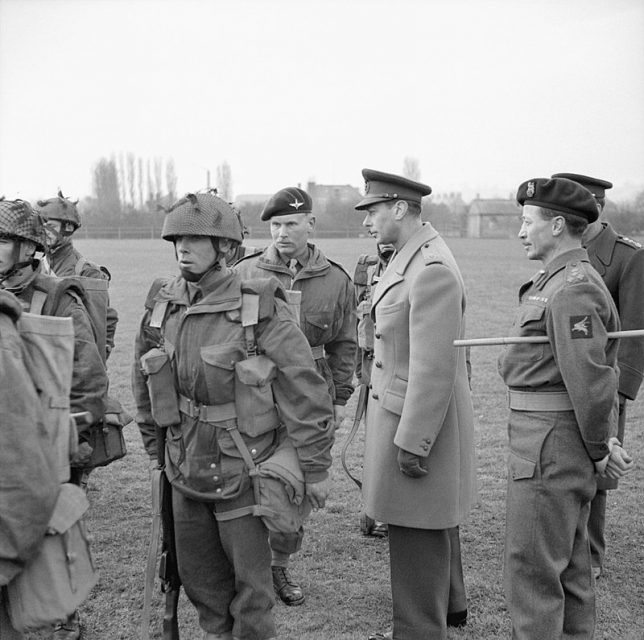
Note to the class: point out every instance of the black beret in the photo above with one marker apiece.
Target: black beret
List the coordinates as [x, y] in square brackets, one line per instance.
[596, 186]
[559, 194]
[383, 187]
[287, 201]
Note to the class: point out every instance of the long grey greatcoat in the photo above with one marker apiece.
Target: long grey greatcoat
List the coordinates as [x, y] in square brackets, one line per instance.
[420, 396]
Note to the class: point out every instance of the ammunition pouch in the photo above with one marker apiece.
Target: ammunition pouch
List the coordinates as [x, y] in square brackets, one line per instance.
[365, 326]
[164, 403]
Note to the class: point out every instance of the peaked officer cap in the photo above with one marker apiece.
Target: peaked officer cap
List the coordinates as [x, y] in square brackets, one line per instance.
[596, 186]
[559, 194]
[384, 187]
[287, 201]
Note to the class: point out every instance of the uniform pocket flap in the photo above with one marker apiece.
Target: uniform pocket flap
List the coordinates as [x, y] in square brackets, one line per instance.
[257, 371]
[393, 402]
[532, 313]
[215, 357]
[319, 320]
[153, 361]
[70, 506]
[520, 468]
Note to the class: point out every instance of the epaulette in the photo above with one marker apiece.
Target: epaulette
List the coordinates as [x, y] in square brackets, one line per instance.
[267, 289]
[629, 242]
[429, 256]
[361, 273]
[575, 273]
[157, 285]
[337, 264]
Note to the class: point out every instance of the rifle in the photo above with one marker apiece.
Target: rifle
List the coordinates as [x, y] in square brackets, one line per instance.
[162, 521]
[360, 409]
[485, 342]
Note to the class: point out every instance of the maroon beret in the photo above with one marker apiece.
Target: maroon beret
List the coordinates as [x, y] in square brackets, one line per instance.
[559, 194]
[287, 201]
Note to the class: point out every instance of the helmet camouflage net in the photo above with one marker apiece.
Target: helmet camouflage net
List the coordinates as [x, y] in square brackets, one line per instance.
[202, 214]
[19, 221]
[60, 208]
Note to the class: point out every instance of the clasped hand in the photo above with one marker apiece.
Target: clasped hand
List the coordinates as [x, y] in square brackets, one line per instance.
[410, 464]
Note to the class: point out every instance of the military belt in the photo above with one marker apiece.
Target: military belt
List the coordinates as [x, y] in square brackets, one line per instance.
[539, 401]
[207, 412]
[318, 352]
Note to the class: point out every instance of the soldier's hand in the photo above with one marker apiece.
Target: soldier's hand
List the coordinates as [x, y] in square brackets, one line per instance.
[338, 414]
[410, 464]
[317, 492]
[82, 455]
[619, 463]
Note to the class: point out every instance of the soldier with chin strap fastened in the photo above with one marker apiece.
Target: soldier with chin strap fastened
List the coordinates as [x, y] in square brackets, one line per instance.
[240, 387]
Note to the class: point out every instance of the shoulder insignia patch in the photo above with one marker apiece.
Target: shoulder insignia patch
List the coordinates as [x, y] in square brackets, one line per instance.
[574, 273]
[581, 327]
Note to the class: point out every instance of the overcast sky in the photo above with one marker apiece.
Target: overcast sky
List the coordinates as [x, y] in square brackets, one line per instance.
[484, 93]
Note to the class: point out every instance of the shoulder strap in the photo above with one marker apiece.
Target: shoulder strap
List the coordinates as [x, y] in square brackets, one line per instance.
[249, 320]
[78, 269]
[38, 302]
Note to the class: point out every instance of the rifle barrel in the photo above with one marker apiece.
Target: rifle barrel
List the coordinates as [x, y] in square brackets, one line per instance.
[485, 342]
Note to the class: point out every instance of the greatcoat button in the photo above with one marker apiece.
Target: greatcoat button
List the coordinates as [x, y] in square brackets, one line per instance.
[379, 364]
[374, 396]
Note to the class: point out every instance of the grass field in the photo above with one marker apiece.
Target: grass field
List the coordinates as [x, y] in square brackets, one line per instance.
[344, 575]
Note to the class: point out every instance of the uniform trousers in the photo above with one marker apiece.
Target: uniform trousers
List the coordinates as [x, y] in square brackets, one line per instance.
[548, 577]
[225, 567]
[420, 582]
[7, 632]
[597, 518]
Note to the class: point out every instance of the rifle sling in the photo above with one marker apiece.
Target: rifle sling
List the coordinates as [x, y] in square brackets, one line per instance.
[360, 409]
[157, 478]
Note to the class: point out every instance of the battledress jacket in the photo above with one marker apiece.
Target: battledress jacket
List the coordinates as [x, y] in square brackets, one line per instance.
[568, 302]
[419, 393]
[206, 339]
[327, 311]
[89, 376]
[620, 263]
[28, 478]
[65, 260]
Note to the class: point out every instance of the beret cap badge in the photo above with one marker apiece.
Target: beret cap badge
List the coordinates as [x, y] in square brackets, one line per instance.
[530, 190]
[296, 204]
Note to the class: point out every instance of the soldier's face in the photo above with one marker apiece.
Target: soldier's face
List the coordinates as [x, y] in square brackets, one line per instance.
[6, 254]
[290, 233]
[52, 231]
[195, 255]
[380, 221]
[536, 234]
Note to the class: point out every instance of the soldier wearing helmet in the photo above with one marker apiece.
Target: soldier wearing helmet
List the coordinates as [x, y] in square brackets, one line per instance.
[21, 237]
[193, 322]
[61, 220]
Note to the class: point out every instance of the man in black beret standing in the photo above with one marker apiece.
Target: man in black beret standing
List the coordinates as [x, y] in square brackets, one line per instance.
[563, 416]
[419, 463]
[322, 298]
[620, 263]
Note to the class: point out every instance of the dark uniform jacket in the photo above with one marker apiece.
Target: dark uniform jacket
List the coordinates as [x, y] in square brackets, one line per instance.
[206, 340]
[327, 311]
[569, 303]
[65, 260]
[620, 263]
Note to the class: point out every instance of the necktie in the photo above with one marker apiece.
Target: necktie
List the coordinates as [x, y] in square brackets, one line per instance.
[293, 267]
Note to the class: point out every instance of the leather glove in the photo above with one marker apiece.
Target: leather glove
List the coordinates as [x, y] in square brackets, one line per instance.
[82, 455]
[410, 464]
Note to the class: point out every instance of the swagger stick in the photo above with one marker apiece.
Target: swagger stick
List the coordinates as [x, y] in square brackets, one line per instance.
[485, 342]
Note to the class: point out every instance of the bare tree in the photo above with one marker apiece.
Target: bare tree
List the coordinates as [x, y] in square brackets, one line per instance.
[131, 177]
[140, 183]
[158, 177]
[121, 175]
[106, 187]
[225, 181]
[171, 180]
[150, 184]
[411, 168]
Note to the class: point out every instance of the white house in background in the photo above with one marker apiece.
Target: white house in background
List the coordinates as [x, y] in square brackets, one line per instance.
[493, 218]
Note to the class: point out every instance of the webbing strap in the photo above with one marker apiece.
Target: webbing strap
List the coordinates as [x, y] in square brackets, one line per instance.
[158, 314]
[38, 302]
[249, 318]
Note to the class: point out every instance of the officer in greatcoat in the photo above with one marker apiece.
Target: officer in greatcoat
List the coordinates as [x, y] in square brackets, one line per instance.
[419, 463]
[563, 416]
[620, 262]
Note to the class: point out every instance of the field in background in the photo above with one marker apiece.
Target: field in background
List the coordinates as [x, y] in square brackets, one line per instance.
[344, 575]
